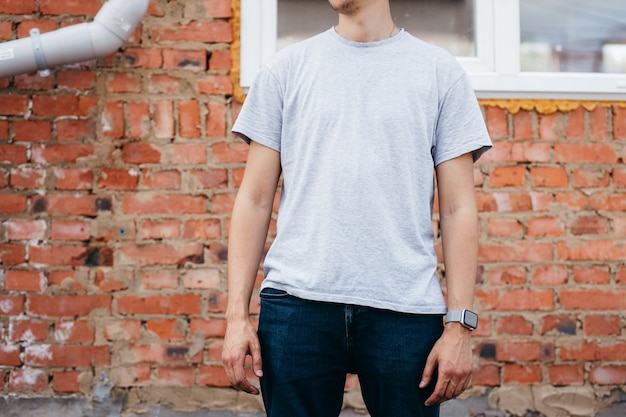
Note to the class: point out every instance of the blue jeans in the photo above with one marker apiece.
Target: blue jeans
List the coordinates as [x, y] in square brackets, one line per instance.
[308, 347]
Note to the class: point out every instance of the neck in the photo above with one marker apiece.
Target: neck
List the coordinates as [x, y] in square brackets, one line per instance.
[370, 22]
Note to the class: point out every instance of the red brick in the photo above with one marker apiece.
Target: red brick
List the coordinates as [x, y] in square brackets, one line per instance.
[601, 325]
[619, 122]
[592, 299]
[44, 26]
[145, 58]
[57, 154]
[585, 152]
[208, 32]
[10, 355]
[67, 305]
[140, 153]
[71, 79]
[222, 203]
[25, 229]
[13, 254]
[32, 130]
[504, 227]
[70, 255]
[159, 280]
[13, 154]
[167, 329]
[110, 282]
[521, 251]
[599, 123]
[63, 105]
[486, 376]
[73, 179]
[566, 375]
[211, 328]
[220, 60]
[518, 152]
[79, 331]
[164, 84]
[4, 127]
[576, 124]
[217, 303]
[590, 226]
[504, 202]
[592, 251]
[118, 179]
[66, 356]
[12, 204]
[113, 120]
[28, 379]
[521, 374]
[159, 354]
[67, 280]
[143, 203]
[215, 85]
[160, 254]
[559, 324]
[608, 375]
[524, 351]
[545, 226]
[185, 304]
[13, 105]
[207, 278]
[516, 299]
[123, 330]
[160, 229]
[179, 59]
[66, 382]
[11, 305]
[189, 119]
[70, 7]
[219, 8]
[209, 179]
[71, 205]
[591, 178]
[17, 7]
[21, 330]
[514, 325]
[593, 351]
[497, 122]
[181, 377]
[138, 123]
[523, 125]
[123, 82]
[189, 153]
[26, 177]
[70, 230]
[213, 376]
[202, 229]
[553, 177]
[508, 176]
[6, 28]
[550, 126]
[163, 119]
[160, 180]
[216, 121]
[507, 276]
[551, 275]
[591, 274]
[23, 280]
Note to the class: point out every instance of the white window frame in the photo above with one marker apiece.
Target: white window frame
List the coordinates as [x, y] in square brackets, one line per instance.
[495, 71]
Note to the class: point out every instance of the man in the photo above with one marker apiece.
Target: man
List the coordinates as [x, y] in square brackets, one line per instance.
[356, 119]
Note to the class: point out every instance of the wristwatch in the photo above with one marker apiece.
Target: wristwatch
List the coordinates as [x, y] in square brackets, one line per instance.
[467, 318]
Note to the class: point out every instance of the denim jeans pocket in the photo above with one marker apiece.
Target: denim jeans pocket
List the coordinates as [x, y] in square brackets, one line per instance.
[269, 293]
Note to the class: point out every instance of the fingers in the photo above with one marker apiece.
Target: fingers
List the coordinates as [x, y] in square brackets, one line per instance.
[236, 373]
[450, 384]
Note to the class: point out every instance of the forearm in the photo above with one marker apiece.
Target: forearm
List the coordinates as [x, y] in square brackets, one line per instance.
[248, 233]
[459, 235]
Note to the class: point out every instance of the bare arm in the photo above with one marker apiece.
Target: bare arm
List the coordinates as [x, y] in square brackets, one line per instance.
[459, 234]
[248, 232]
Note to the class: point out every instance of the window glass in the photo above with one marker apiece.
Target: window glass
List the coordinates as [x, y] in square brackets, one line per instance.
[573, 35]
[446, 23]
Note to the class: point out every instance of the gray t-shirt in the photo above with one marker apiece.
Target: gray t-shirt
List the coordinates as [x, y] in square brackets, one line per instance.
[360, 128]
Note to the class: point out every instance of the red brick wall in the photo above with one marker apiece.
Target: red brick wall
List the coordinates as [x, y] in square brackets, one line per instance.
[117, 178]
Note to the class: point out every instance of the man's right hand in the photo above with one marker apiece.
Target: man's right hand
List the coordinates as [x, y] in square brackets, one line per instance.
[240, 341]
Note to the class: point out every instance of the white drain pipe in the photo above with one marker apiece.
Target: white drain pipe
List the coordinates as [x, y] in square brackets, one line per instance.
[114, 23]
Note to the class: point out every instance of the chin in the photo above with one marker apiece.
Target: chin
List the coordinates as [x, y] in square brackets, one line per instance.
[345, 6]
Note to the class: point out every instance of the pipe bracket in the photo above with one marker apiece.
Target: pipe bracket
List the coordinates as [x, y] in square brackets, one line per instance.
[40, 57]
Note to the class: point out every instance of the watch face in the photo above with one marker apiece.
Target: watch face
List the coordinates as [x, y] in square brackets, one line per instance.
[470, 319]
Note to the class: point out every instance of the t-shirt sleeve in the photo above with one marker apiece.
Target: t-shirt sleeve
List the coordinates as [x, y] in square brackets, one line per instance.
[460, 125]
[260, 119]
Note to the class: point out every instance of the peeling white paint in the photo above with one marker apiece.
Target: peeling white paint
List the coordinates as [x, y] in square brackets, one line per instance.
[28, 376]
[6, 306]
[63, 331]
[503, 202]
[40, 351]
